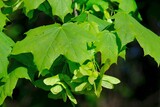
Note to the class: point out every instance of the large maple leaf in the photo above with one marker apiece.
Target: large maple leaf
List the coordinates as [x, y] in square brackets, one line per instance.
[46, 43]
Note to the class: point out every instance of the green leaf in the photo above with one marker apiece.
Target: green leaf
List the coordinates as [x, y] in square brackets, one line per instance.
[7, 88]
[101, 3]
[107, 45]
[102, 24]
[11, 81]
[46, 43]
[21, 72]
[92, 27]
[56, 89]
[1, 4]
[80, 18]
[45, 7]
[32, 5]
[149, 41]
[124, 28]
[52, 80]
[110, 79]
[5, 50]
[127, 6]
[128, 29]
[61, 7]
[122, 54]
[2, 20]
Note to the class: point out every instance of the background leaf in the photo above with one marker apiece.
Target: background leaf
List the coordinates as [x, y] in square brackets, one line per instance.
[5, 49]
[2, 20]
[127, 6]
[11, 81]
[1, 3]
[61, 7]
[32, 5]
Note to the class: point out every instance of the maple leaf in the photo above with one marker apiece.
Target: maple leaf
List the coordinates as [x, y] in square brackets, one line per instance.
[46, 43]
[5, 50]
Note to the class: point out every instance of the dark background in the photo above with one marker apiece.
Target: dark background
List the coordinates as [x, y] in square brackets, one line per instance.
[139, 75]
